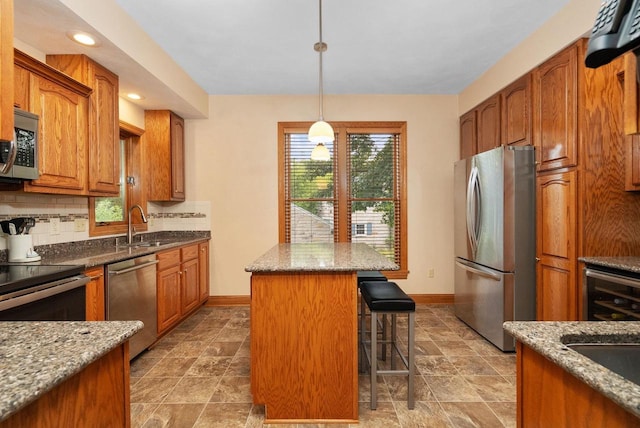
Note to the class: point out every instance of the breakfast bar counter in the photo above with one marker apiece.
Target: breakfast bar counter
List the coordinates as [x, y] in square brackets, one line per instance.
[304, 348]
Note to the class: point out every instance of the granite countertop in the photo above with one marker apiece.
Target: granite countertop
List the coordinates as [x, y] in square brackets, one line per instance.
[627, 263]
[101, 252]
[549, 339]
[327, 257]
[35, 356]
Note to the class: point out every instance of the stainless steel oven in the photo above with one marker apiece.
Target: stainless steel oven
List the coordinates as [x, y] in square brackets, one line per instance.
[42, 293]
[610, 295]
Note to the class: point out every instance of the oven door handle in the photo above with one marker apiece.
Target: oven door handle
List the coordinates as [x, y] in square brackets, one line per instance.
[28, 295]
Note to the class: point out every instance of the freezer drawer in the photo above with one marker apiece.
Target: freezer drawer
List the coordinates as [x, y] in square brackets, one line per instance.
[484, 300]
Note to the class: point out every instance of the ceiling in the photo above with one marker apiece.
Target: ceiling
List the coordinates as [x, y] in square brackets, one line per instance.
[266, 46]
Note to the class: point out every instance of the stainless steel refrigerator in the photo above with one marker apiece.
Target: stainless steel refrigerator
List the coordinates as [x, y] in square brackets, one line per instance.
[495, 268]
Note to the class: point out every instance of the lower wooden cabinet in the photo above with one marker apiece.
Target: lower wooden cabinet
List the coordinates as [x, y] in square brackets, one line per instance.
[168, 289]
[180, 281]
[203, 257]
[95, 294]
[190, 287]
[557, 295]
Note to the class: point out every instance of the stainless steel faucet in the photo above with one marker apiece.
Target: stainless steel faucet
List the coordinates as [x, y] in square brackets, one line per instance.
[130, 231]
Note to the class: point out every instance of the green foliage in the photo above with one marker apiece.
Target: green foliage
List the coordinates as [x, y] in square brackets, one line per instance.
[109, 210]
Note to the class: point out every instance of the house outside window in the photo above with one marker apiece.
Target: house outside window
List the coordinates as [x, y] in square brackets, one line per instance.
[359, 195]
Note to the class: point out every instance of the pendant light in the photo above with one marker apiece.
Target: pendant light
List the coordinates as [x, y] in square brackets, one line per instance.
[320, 132]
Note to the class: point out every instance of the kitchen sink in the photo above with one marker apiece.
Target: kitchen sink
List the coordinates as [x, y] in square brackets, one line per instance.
[620, 358]
[150, 243]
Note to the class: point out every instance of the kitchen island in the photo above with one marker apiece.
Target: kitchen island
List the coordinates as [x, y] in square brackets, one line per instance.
[558, 386]
[304, 344]
[65, 373]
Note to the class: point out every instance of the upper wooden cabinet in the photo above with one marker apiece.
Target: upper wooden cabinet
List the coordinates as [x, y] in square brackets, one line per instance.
[555, 100]
[6, 70]
[516, 112]
[468, 138]
[104, 141]
[62, 104]
[164, 146]
[488, 122]
[503, 119]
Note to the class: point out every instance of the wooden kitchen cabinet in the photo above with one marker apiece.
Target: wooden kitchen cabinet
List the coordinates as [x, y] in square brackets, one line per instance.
[190, 286]
[516, 112]
[164, 143]
[104, 142]
[178, 284]
[555, 109]
[468, 135]
[168, 289]
[549, 396]
[488, 124]
[556, 271]
[62, 104]
[95, 294]
[6, 70]
[203, 259]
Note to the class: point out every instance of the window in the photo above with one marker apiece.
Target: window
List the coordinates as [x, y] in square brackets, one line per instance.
[357, 196]
[108, 215]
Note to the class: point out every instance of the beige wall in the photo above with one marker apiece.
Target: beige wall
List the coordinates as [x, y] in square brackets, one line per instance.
[232, 162]
[572, 22]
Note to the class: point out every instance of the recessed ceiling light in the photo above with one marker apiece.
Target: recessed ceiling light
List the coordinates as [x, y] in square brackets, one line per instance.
[134, 96]
[83, 38]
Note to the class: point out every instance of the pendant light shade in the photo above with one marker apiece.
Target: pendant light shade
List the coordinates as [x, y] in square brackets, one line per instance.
[320, 152]
[320, 132]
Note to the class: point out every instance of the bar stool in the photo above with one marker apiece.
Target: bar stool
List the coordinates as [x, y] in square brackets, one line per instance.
[388, 298]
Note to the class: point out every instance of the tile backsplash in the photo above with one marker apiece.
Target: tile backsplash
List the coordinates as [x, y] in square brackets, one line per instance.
[62, 219]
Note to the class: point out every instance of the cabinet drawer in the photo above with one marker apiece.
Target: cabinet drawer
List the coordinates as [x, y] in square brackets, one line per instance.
[167, 259]
[190, 252]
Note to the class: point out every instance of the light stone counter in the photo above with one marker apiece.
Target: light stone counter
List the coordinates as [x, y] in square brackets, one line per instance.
[36, 356]
[329, 257]
[627, 263]
[549, 340]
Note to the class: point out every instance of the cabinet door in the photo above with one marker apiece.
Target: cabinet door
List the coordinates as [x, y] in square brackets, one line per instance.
[468, 136]
[557, 296]
[177, 158]
[203, 265]
[489, 124]
[516, 112]
[104, 138]
[62, 136]
[190, 285]
[6, 70]
[168, 298]
[95, 294]
[555, 112]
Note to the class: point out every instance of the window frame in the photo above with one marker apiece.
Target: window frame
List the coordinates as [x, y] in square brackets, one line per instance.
[341, 171]
[133, 165]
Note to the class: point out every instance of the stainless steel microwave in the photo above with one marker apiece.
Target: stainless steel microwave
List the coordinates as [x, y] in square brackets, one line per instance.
[19, 158]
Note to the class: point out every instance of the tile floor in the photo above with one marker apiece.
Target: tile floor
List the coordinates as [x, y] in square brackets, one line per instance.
[198, 376]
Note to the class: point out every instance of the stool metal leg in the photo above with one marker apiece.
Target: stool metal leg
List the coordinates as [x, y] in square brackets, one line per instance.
[410, 346]
[393, 340]
[374, 360]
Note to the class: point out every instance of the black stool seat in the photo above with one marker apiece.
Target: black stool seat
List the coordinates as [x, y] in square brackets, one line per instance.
[370, 275]
[385, 296]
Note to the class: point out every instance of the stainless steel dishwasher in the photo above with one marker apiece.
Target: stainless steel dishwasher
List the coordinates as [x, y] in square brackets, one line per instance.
[131, 295]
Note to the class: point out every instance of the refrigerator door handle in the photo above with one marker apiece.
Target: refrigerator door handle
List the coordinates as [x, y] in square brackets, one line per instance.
[473, 209]
[479, 271]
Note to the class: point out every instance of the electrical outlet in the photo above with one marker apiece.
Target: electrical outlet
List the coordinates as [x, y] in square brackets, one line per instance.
[431, 272]
[54, 226]
[80, 225]
[152, 221]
